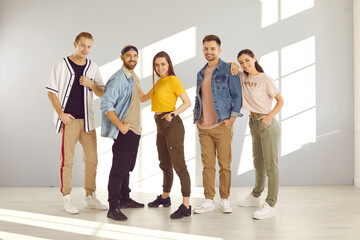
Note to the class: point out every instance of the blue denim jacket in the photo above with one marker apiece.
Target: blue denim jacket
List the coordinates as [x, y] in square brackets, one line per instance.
[117, 97]
[226, 93]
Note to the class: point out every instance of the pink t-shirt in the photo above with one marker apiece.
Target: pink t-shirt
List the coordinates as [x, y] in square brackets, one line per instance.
[258, 92]
[208, 116]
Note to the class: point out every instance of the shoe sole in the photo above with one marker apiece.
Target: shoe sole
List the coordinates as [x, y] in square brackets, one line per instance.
[264, 217]
[243, 205]
[164, 205]
[250, 205]
[72, 213]
[182, 217]
[204, 210]
[100, 209]
[226, 211]
[117, 219]
[124, 207]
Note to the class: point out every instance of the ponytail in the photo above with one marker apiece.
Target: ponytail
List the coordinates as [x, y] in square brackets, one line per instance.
[252, 55]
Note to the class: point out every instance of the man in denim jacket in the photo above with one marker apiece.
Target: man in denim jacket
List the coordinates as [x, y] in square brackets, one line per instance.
[217, 104]
[120, 106]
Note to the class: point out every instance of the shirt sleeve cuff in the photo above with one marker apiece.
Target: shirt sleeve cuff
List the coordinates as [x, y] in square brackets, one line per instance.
[110, 109]
[51, 90]
[236, 114]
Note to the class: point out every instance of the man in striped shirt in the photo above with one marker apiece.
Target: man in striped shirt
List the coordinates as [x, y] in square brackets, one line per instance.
[70, 87]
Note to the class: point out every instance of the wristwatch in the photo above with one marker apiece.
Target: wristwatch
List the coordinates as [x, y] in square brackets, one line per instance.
[172, 115]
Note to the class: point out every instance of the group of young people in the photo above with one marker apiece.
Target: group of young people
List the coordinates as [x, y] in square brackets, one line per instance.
[221, 92]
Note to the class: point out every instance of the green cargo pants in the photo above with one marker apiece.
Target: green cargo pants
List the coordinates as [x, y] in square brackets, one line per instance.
[265, 142]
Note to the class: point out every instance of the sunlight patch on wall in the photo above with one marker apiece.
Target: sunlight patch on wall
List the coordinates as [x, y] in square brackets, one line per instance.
[298, 131]
[270, 64]
[291, 7]
[246, 159]
[105, 155]
[297, 56]
[108, 69]
[299, 90]
[274, 10]
[269, 10]
[298, 116]
[180, 47]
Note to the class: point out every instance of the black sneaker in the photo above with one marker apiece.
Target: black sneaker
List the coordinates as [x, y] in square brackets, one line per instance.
[116, 214]
[181, 212]
[130, 203]
[166, 202]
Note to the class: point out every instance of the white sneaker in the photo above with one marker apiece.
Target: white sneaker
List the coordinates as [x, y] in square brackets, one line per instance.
[250, 201]
[69, 205]
[265, 211]
[225, 206]
[207, 206]
[94, 203]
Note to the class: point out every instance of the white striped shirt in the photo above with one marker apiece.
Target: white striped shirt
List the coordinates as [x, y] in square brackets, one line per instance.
[61, 81]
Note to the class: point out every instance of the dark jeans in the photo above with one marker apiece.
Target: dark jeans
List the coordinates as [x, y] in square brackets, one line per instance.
[124, 150]
[170, 145]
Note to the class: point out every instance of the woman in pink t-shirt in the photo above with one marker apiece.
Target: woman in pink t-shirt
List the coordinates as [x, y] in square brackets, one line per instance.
[258, 91]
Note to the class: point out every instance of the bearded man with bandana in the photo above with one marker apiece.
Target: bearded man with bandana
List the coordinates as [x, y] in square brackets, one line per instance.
[120, 106]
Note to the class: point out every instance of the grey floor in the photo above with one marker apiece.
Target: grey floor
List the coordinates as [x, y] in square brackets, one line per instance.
[303, 213]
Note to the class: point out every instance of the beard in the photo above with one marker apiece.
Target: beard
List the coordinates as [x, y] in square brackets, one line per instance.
[211, 58]
[129, 66]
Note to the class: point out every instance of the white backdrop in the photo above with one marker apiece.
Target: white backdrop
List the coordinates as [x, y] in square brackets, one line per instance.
[305, 45]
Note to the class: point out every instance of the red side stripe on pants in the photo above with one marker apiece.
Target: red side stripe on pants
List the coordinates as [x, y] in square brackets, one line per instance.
[63, 159]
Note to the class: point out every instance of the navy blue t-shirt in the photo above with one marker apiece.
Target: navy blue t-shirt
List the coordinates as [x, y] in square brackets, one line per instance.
[75, 104]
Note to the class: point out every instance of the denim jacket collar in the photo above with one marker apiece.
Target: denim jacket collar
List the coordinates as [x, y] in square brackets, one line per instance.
[218, 67]
[128, 74]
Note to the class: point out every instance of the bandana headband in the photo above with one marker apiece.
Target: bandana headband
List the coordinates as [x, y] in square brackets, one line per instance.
[129, 48]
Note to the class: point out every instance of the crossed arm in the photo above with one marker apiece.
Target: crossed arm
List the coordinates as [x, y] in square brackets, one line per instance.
[85, 81]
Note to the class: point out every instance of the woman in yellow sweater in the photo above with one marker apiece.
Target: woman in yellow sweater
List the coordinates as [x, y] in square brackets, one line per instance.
[170, 131]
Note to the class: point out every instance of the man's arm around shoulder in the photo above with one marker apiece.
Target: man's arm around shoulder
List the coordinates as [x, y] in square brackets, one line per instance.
[236, 95]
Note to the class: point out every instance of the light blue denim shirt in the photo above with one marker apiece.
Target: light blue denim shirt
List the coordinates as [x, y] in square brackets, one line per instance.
[226, 93]
[117, 97]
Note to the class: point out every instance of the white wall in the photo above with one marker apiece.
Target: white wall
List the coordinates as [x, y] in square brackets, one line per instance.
[307, 49]
[356, 15]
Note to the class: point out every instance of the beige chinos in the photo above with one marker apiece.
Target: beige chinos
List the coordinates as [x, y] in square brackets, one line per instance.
[216, 141]
[71, 133]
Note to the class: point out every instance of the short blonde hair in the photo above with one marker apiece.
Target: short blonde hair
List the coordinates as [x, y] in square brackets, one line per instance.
[83, 34]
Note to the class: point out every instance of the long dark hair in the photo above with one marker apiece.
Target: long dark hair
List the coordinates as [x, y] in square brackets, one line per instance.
[170, 70]
[252, 55]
